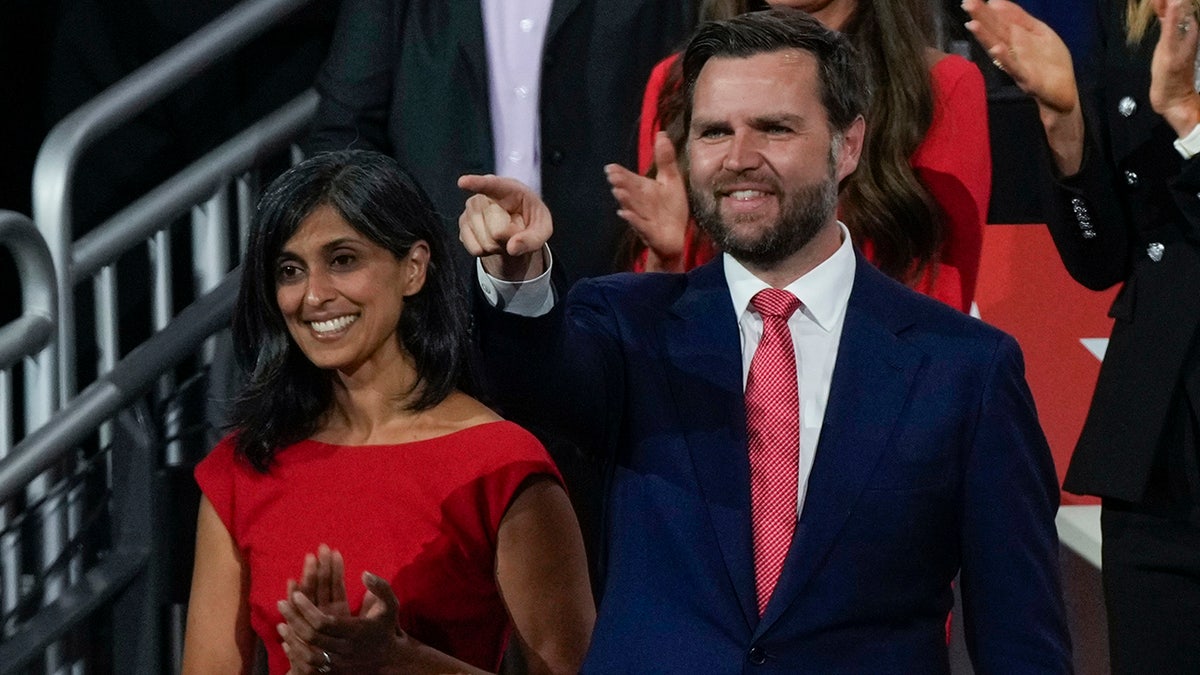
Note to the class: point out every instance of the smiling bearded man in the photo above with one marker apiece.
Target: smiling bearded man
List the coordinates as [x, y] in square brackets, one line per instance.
[802, 454]
[804, 211]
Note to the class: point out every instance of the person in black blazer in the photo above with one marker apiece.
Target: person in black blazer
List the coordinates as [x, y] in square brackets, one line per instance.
[1128, 212]
[410, 79]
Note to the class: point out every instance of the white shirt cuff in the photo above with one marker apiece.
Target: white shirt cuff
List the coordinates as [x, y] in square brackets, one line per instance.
[1189, 146]
[532, 297]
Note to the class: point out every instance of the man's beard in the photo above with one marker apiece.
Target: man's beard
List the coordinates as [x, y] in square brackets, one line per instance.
[803, 212]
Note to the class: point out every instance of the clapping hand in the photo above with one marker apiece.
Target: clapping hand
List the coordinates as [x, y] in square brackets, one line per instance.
[1028, 50]
[322, 636]
[1172, 68]
[1039, 62]
[656, 208]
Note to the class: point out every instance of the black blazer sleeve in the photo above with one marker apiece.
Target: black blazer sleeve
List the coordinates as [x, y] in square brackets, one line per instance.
[1133, 189]
[355, 81]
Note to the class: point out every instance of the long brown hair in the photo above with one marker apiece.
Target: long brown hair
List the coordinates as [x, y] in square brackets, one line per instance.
[883, 201]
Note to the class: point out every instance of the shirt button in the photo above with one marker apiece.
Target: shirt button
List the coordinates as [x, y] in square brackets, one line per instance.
[515, 156]
[521, 92]
[1131, 179]
[1127, 106]
[757, 656]
[526, 25]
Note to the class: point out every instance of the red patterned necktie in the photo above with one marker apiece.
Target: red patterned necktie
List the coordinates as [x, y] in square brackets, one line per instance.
[773, 430]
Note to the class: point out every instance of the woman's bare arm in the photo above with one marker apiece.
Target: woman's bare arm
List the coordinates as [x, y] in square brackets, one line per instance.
[541, 570]
[218, 638]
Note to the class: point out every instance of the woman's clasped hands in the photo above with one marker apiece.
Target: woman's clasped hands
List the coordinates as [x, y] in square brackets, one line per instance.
[320, 635]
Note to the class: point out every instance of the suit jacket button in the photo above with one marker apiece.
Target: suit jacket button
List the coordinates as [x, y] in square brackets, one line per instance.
[557, 157]
[1131, 179]
[1127, 106]
[1155, 251]
[757, 656]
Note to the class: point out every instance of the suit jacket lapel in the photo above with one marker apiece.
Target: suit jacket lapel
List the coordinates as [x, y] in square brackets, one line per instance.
[559, 11]
[871, 380]
[702, 342]
[467, 15]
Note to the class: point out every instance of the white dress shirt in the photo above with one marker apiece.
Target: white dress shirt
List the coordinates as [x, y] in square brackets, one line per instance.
[514, 32]
[816, 329]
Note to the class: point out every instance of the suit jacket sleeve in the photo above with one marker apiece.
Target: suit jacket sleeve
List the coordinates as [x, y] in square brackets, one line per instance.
[559, 373]
[1087, 221]
[355, 81]
[1012, 596]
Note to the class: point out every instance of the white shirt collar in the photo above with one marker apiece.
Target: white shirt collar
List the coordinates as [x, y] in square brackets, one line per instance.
[825, 290]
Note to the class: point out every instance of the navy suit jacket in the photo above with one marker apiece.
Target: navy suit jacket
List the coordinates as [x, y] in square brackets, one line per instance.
[930, 461]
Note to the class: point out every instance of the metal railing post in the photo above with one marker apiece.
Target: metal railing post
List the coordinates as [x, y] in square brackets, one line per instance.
[54, 171]
[30, 339]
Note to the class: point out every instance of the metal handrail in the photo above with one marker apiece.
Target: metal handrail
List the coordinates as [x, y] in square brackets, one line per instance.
[32, 334]
[101, 401]
[102, 583]
[54, 171]
[35, 268]
[53, 438]
[136, 222]
[116, 390]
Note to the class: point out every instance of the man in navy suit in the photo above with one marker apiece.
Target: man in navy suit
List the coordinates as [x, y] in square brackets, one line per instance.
[919, 454]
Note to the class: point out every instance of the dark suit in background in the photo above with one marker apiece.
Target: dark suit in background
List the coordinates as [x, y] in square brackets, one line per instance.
[930, 461]
[1131, 216]
[411, 79]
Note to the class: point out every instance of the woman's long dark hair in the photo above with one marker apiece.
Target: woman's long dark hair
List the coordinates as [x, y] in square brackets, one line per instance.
[883, 201]
[286, 397]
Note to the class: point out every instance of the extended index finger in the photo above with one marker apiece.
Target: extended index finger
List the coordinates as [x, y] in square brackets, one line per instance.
[505, 191]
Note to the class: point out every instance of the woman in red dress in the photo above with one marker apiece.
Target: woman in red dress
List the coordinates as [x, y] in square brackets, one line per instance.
[423, 530]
